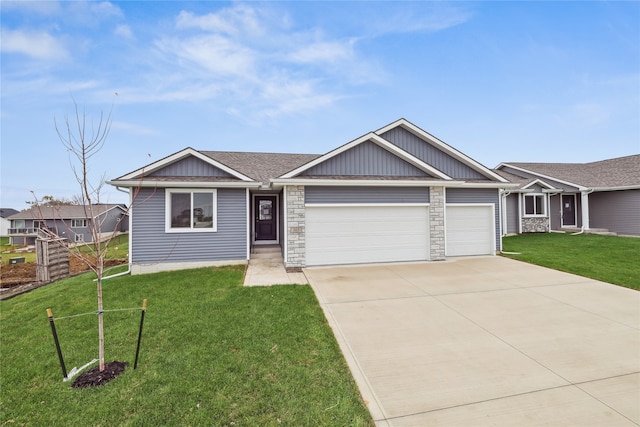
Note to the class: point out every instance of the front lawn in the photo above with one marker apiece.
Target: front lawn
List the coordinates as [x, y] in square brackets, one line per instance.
[611, 259]
[213, 353]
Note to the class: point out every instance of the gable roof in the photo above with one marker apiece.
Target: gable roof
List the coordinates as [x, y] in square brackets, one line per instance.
[379, 141]
[617, 173]
[64, 211]
[7, 212]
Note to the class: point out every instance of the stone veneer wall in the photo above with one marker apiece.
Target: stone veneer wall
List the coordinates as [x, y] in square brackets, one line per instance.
[295, 256]
[436, 223]
[535, 225]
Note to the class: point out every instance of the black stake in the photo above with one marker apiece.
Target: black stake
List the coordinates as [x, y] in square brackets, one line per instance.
[144, 309]
[55, 339]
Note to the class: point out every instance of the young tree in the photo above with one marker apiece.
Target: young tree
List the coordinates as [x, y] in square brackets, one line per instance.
[83, 141]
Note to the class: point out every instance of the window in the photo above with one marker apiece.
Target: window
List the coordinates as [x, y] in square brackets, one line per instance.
[191, 210]
[79, 237]
[39, 224]
[78, 223]
[535, 205]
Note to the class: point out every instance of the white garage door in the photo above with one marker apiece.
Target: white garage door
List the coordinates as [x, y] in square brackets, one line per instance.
[470, 230]
[364, 234]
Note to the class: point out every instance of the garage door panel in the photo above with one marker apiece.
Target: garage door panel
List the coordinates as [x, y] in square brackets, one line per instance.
[469, 230]
[362, 234]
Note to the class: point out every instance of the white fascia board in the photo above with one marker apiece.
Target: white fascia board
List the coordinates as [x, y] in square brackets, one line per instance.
[442, 146]
[624, 187]
[179, 156]
[572, 184]
[541, 182]
[381, 142]
[182, 184]
[359, 182]
[465, 184]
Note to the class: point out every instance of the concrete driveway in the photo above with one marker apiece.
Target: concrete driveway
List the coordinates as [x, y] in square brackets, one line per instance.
[485, 341]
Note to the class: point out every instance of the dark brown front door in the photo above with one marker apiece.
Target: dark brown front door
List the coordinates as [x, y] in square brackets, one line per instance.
[265, 214]
[568, 210]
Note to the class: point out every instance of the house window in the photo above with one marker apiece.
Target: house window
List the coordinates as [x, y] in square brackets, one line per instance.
[78, 223]
[535, 205]
[79, 237]
[191, 210]
[39, 225]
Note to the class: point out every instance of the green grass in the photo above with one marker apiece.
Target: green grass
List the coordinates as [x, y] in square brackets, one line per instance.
[610, 259]
[213, 353]
[118, 249]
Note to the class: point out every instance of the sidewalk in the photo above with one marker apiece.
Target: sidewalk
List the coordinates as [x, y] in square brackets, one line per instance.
[266, 268]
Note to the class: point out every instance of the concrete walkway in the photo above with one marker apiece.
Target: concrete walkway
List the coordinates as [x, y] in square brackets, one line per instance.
[485, 341]
[266, 268]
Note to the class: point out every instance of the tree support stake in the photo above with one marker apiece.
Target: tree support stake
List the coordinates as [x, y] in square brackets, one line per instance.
[55, 339]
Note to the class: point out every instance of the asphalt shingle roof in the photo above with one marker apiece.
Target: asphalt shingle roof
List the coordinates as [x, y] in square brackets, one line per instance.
[261, 167]
[61, 212]
[610, 173]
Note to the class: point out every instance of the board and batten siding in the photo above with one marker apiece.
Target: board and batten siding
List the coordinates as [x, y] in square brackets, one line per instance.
[190, 166]
[360, 195]
[478, 195]
[617, 211]
[151, 244]
[430, 154]
[366, 159]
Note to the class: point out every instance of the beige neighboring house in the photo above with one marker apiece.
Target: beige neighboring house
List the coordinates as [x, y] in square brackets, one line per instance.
[601, 196]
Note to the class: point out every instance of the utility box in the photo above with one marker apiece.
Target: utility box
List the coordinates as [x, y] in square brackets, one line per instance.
[16, 260]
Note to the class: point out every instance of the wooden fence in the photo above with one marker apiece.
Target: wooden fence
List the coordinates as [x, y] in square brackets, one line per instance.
[52, 258]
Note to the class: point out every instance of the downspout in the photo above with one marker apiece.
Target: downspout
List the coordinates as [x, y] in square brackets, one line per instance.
[128, 271]
[584, 207]
[503, 208]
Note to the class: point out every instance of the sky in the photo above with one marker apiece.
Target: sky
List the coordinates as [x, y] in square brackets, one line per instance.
[500, 81]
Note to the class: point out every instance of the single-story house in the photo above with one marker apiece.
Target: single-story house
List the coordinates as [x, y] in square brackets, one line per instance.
[394, 194]
[601, 196]
[72, 222]
[5, 223]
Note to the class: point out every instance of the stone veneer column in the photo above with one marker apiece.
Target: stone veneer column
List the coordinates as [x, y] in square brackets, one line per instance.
[295, 258]
[436, 223]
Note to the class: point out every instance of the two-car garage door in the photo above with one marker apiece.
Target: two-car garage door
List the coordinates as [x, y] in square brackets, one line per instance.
[366, 234]
[370, 233]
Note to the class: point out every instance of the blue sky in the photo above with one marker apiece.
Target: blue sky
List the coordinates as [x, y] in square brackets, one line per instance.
[499, 81]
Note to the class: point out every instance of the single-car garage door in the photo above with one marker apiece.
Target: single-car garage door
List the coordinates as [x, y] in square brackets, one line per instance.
[364, 234]
[470, 230]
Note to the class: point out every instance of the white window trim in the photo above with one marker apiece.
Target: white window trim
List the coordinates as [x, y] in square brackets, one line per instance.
[79, 237]
[544, 205]
[167, 210]
[83, 222]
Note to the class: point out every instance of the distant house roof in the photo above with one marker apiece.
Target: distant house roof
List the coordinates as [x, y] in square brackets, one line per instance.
[63, 212]
[621, 172]
[7, 212]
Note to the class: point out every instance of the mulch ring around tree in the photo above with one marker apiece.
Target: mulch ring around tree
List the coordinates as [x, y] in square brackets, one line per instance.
[94, 378]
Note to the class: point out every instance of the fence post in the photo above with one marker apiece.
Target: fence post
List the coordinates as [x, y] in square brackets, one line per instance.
[144, 309]
[55, 339]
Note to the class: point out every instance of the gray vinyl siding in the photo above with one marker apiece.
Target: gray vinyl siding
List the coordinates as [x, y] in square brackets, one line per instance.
[151, 244]
[366, 159]
[478, 195]
[110, 221]
[511, 202]
[555, 212]
[430, 154]
[617, 211]
[323, 194]
[190, 166]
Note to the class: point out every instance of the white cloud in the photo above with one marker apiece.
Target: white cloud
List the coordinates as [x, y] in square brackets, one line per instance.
[124, 31]
[324, 52]
[35, 44]
[234, 21]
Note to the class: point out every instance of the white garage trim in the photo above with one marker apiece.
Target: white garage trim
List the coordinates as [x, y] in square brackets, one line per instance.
[470, 229]
[366, 233]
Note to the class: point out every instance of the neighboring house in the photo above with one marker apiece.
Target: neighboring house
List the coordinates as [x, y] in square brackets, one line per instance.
[396, 194]
[600, 196]
[70, 221]
[5, 213]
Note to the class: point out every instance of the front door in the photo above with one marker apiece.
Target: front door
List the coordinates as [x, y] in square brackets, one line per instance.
[568, 210]
[266, 218]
